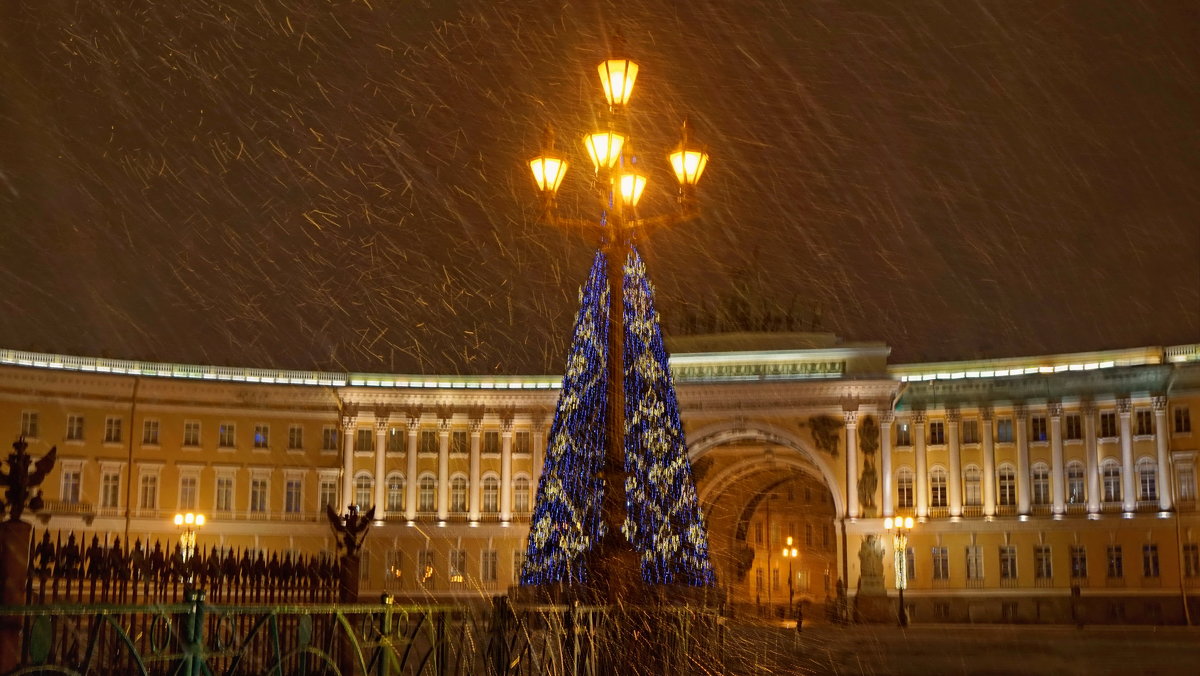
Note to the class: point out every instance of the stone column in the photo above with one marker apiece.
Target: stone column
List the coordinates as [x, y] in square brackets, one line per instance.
[506, 435]
[1057, 487]
[851, 418]
[538, 452]
[475, 489]
[1161, 433]
[1128, 487]
[381, 426]
[443, 499]
[1091, 456]
[410, 483]
[1020, 422]
[349, 427]
[988, 479]
[885, 461]
[922, 478]
[954, 419]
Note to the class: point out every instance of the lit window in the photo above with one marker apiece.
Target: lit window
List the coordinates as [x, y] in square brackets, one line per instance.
[903, 434]
[904, 488]
[1112, 481]
[262, 436]
[1076, 493]
[395, 493]
[458, 565]
[363, 487]
[1037, 428]
[491, 495]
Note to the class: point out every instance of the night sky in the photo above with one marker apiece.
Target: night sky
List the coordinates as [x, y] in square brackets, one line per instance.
[338, 184]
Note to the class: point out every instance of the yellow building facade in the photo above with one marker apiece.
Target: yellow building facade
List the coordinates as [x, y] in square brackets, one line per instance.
[1054, 488]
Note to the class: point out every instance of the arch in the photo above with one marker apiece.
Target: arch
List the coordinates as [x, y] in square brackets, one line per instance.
[705, 439]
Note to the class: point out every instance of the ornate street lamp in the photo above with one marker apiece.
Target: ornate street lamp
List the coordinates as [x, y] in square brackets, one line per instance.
[790, 553]
[188, 524]
[899, 528]
[613, 564]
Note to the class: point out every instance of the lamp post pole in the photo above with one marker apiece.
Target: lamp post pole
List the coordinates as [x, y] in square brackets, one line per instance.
[613, 566]
[188, 524]
[790, 553]
[900, 528]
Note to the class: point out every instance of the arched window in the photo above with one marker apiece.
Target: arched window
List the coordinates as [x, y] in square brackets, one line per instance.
[1040, 475]
[972, 493]
[521, 495]
[1076, 491]
[1111, 473]
[1147, 472]
[458, 495]
[427, 494]
[363, 487]
[1006, 481]
[395, 493]
[491, 495]
[937, 487]
[904, 488]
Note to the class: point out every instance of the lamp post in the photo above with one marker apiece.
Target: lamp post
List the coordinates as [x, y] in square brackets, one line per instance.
[790, 553]
[899, 528]
[188, 524]
[614, 569]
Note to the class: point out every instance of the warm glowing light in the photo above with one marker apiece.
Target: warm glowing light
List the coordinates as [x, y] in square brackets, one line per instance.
[604, 148]
[688, 164]
[887, 523]
[548, 172]
[795, 552]
[178, 519]
[189, 518]
[908, 522]
[617, 77]
[630, 187]
[199, 519]
[789, 541]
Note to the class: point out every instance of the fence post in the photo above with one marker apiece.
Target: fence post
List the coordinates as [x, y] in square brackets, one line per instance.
[384, 668]
[14, 567]
[193, 635]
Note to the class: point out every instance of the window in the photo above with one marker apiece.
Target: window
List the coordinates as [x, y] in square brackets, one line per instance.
[1191, 559]
[487, 565]
[258, 495]
[937, 487]
[292, 491]
[262, 436]
[148, 496]
[427, 494]
[1037, 428]
[1008, 562]
[1112, 481]
[191, 433]
[808, 535]
[224, 494]
[974, 562]
[74, 428]
[1116, 566]
[1073, 429]
[491, 442]
[1183, 420]
[426, 566]
[758, 532]
[458, 565]
[395, 493]
[187, 492]
[458, 442]
[937, 433]
[150, 432]
[295, 437]
[1150, 560]
[1076, 493]
[71, 481]
[1078, 562]
[775, 578]
[491, 495]
[329, 438]
[1186, 479]
[458, 495]
[395, 440]
[518, 560]
[112, 430]
[1041, 484]
[29, 424]
[904, 488]
[1004, 430]
[521, 495]
[363, 487]
[362, 440]
[1108, 425]
[327, 492]
[903, 434]
[1144, 422]
[1043, 564]
[110, 489]
[1147, 472]
[225, 435]
[758, 579]
[521, 443]
[941, 563]
[972, 493]
[1006, 481]
[428, 442]
[970, 431]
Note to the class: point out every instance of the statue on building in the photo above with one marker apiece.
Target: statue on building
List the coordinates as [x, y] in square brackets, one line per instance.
[868, 436]
[825, 433]
[867, 483]
[19, 481]
[870, 565]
